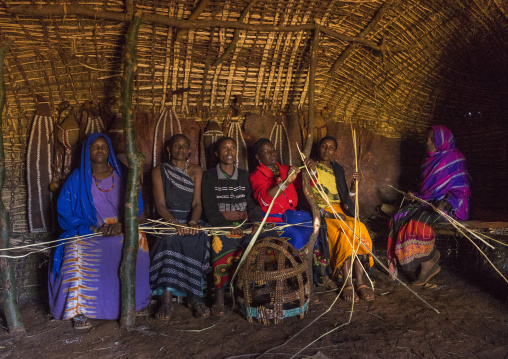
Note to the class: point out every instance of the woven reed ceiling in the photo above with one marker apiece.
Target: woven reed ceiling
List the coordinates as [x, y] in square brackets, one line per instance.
[386, 65]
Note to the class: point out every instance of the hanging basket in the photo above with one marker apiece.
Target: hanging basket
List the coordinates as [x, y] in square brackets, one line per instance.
[273, 283]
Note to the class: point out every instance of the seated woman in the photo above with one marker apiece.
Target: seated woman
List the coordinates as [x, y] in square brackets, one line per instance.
[445, 184]
[265, 181]
[227, 201]
[179, 261]
[341, 238]
[84, 281]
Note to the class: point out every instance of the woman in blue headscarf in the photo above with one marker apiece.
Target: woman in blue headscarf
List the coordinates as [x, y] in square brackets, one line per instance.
[84, 277]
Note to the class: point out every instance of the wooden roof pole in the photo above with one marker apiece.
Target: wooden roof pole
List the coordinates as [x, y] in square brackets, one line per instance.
[11, 308]
[375, 20]
[236, 35]
[195, 14]
[135, 160]
[80, 10]
[307, 190]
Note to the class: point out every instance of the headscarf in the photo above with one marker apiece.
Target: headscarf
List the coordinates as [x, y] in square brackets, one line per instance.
[444, 174]
[76, 210]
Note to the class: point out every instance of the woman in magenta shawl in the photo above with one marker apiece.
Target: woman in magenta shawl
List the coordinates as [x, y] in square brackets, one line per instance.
[84, 277]
[445, 184]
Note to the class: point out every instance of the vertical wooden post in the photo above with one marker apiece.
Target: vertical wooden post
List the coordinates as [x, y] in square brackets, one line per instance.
[11, 309]
[308, 147]
[135, 160]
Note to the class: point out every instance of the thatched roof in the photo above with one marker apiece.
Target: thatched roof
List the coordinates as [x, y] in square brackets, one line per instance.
[386, 65]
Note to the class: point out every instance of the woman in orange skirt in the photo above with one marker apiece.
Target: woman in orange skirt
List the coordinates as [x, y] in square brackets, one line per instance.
[341, 226]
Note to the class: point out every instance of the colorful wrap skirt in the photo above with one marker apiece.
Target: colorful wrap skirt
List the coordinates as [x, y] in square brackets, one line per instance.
[411, 239]
[341, 241]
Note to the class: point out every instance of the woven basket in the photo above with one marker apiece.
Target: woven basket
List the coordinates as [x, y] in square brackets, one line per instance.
[273, 283]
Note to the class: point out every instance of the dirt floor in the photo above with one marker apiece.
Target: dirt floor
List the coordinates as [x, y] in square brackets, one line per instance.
[472, 323]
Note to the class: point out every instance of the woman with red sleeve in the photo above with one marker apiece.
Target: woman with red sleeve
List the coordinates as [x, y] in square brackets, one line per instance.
[265, 181]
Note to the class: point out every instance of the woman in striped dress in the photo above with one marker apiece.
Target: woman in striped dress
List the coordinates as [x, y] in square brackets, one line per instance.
[179, 261]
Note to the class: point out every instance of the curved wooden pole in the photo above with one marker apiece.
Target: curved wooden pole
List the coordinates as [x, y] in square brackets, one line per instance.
[236, 35]
[195, 14]
[11, 309]
[135, 160]
[308, 147]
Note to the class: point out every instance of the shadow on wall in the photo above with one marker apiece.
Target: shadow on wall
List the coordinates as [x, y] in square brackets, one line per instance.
[379, 162]
[412, 153]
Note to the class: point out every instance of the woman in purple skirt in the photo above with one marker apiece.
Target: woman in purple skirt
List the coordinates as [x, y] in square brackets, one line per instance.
[84, 278]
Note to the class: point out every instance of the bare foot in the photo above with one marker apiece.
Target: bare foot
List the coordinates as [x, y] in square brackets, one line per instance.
[164, 312]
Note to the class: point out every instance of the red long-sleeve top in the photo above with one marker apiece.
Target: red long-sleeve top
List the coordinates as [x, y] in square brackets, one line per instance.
[262, 179]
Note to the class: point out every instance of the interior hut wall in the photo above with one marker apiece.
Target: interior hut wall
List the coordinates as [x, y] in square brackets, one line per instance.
[30, 271]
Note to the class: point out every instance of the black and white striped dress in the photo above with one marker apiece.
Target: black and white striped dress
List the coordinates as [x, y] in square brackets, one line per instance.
[178, 263]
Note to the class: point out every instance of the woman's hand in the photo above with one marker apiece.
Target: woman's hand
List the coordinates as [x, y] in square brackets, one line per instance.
[327, 214]
[113, 229]
[293, 170]
[236, 231]
[255, 227]
[188, 228]
[409, 197]
[311, 165]
[444, 205]
[356, 178]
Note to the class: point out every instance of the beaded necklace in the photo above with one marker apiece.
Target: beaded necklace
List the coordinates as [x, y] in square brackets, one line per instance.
[112, 183]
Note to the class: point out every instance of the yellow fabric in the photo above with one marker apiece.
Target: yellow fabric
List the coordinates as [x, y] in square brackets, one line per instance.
[326, 178]
[340, 239]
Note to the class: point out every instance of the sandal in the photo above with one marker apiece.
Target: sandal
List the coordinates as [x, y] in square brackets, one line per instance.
[80, 322]
[365, 293]
[349, 289]
[218, 310]
[421, 281]
[164, 312]
[328, 284]
[142, 312]
[200, 309]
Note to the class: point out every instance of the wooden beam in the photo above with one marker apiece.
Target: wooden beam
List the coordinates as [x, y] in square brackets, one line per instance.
[129, 8]
[135, 160]
[309, 247]
[236, 35]
[375, 20]
[11, 308]
[194, 16]
[80, 10]
[314, 52]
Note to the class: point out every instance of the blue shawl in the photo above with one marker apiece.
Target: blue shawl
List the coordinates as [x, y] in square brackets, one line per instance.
[75, 207]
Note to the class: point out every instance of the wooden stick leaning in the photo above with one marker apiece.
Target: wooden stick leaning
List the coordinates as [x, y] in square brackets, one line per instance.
[459, 228]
